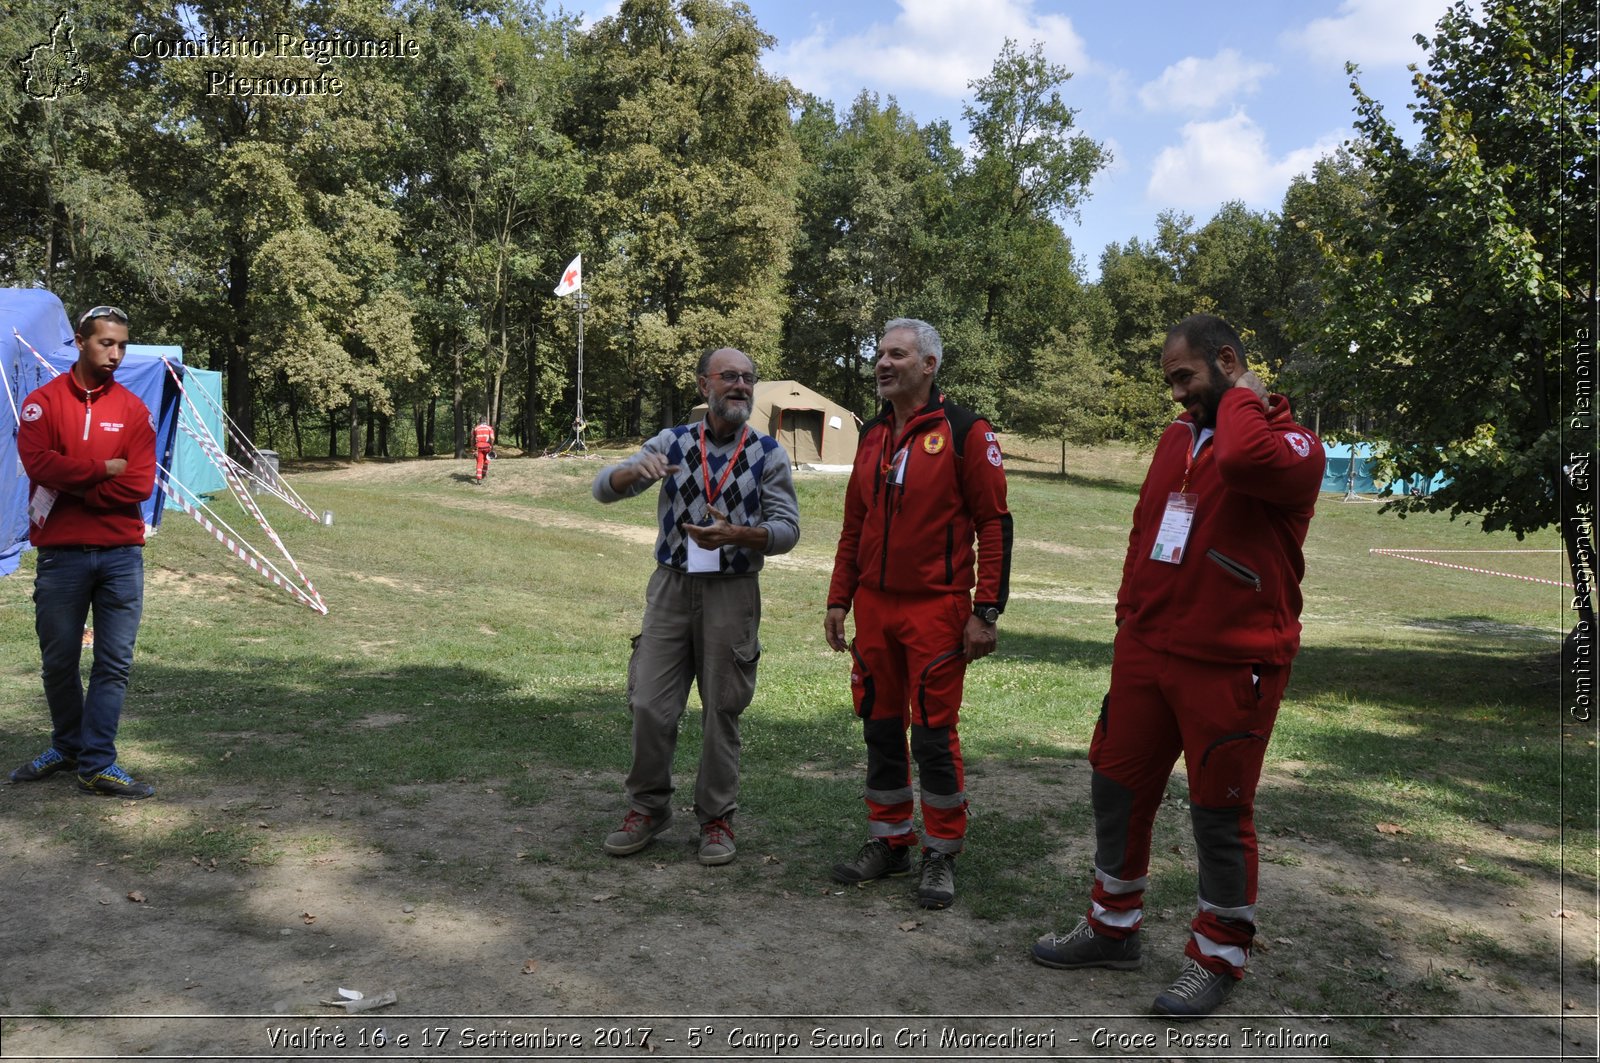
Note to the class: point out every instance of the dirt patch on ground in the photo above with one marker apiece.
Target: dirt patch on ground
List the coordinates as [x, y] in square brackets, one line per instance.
[510, 920]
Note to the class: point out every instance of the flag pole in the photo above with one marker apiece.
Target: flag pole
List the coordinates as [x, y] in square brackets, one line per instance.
[572, 282]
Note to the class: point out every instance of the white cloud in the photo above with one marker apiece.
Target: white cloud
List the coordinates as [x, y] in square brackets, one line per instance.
[1370, 32]
[1229, 159]
[1197, 85]
[932, 46]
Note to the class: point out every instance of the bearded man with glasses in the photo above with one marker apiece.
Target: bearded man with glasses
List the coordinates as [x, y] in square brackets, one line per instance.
[88, 446]
[726, 502]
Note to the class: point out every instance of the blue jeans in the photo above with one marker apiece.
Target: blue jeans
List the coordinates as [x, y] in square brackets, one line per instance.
[67, 583]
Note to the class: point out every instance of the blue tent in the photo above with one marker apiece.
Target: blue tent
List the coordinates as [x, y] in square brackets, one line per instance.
[40, 320]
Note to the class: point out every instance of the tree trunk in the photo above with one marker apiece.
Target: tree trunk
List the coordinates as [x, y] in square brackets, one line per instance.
[1063, 457]
[294, 423]
[238, 348]
[354, 420]
[460, 390]
[333, 433]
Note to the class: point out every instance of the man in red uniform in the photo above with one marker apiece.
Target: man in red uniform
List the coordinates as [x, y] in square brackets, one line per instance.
[927, 482]
[89, 448]
[482, 444]
[1208, 622]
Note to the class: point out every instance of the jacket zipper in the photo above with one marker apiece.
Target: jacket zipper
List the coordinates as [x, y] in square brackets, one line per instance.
[1234, 569]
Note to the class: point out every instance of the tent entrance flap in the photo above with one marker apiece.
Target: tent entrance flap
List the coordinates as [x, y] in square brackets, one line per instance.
[799, 430]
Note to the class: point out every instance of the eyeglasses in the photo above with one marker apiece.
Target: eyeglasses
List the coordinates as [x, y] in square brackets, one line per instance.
[102, 311]
[730, 377]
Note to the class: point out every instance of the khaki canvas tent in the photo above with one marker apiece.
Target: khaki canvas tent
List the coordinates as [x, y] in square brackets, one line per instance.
[814, 430]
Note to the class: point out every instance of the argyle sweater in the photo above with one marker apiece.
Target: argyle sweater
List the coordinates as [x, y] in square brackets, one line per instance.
[758, 492]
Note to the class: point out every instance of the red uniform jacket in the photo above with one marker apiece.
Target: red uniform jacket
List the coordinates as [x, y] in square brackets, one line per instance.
[1235, 597]
[66, 437]
[913, 509]
[483, 437]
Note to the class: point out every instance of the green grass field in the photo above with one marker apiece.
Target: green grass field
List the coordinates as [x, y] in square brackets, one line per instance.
[480, 635]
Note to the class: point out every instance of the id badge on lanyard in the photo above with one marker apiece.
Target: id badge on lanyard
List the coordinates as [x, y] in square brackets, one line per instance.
[1176, 520]
[701, 558]
[1173, 535]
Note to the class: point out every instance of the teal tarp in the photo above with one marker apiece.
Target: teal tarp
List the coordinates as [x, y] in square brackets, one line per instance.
[1337, 475]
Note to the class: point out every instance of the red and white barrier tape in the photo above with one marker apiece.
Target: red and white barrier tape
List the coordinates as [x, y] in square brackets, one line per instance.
[246, 553]
[242, 494]
[1409, 555]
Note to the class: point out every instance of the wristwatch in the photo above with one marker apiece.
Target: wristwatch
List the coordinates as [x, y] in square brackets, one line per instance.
[988, 614]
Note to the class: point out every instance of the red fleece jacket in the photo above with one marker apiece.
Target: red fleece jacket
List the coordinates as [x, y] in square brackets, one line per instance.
[912, 511]
[1235, 598]
[66, 437]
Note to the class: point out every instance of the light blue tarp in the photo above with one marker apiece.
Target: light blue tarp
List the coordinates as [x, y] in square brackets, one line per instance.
[39, 318]
[1337, 475]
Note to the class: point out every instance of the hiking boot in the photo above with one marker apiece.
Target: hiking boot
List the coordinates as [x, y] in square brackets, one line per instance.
[43, 766]
[1082, 947]
[114, 782]
[876, 859]
[636, 832]
[1195, 994]
[716, 843]
[938, 886]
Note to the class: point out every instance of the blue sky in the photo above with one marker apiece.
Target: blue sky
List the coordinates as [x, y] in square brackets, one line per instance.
[1199, 103]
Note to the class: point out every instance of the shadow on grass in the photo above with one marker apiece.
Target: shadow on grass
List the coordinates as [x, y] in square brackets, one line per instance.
[1049, 477]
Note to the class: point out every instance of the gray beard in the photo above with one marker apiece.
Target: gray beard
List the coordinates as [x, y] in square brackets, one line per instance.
[731, 414]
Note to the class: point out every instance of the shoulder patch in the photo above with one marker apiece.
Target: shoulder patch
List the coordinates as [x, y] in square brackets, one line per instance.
[988, 437]
[994, 454]
[32, 412]
[1298, 443]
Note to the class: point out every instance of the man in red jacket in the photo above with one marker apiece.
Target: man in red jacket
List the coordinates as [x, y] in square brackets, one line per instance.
[483, 446]
[927, 482]
[1208, 622]
[88, 446]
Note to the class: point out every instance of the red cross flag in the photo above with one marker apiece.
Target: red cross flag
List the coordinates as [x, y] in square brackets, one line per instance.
[571, 277]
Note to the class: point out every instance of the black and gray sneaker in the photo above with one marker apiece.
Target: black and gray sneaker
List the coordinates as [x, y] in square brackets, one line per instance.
[1195, 994]
[876, 859]
[938, 886]
[43, 766]
[114, 782]
[1082, 947]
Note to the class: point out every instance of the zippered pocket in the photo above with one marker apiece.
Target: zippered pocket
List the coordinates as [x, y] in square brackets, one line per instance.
[1234, 569]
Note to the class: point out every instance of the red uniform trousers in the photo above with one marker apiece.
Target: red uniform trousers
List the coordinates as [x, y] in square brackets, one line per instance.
[483, 462]
[908, 667]
[1220, 717]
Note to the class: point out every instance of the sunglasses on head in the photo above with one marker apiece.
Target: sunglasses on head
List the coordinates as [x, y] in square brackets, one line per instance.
[102, 311]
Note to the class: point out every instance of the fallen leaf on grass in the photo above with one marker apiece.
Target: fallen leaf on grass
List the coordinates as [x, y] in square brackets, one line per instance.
[1561, 913]
[601, 897]
[136, 897]
[770, 859]
[910, 925]
[530, 966]
[1391, 828]
[308, 918]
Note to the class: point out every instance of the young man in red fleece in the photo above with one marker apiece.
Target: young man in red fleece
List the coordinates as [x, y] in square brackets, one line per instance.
[1208, 622]
[88, 446]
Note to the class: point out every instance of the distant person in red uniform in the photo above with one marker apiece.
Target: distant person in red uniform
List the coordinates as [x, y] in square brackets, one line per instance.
[927, 483]
[1208, 622]
[483, 446]
[88, 446]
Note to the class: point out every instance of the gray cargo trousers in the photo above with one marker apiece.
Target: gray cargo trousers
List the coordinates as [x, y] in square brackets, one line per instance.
[696, 629]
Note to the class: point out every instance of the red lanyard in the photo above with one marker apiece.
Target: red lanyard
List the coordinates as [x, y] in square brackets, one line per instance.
[705, 462]
[1190, 463]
